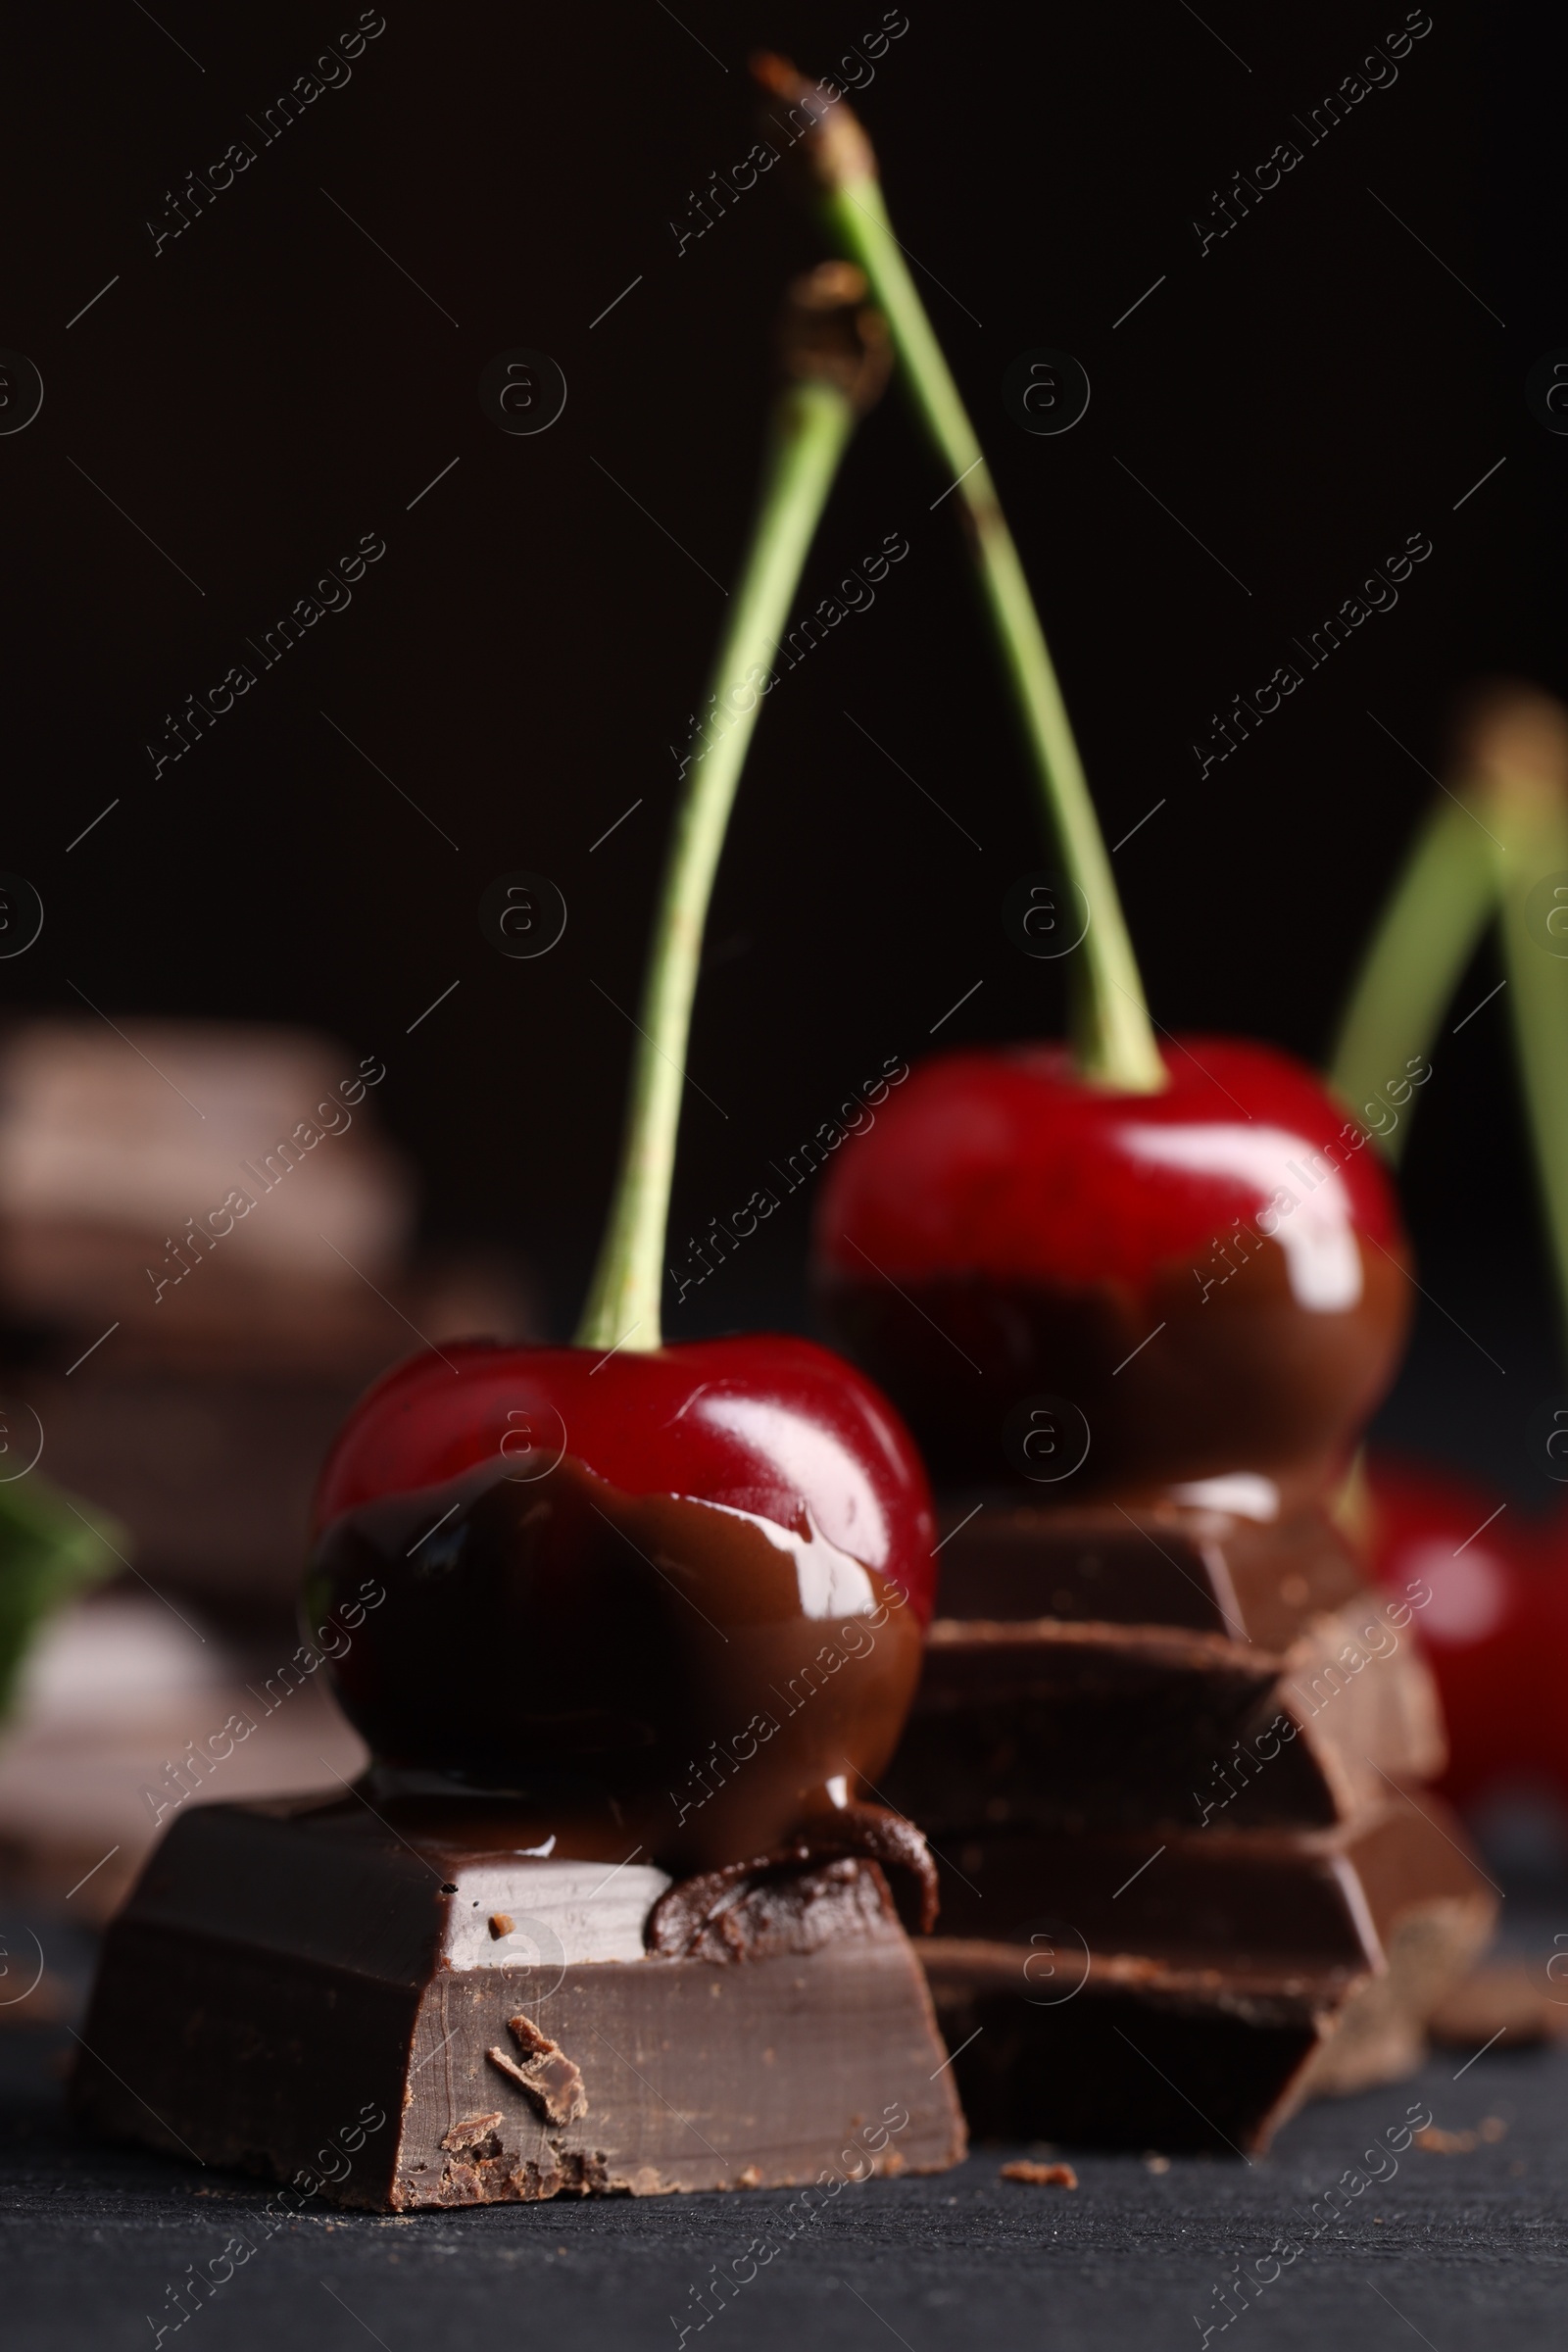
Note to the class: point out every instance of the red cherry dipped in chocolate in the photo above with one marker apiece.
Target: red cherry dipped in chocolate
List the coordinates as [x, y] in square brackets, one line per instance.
[672, 1600]
[1212, 1274]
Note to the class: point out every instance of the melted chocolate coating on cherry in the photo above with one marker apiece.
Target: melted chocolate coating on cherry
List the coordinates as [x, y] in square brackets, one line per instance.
[1215, 1275]
[671, 1600]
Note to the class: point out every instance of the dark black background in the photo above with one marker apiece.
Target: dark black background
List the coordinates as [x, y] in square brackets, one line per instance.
[1306, 394]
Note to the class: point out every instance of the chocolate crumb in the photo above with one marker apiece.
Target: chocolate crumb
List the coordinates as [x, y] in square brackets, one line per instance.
[1493, 2128]
[1040, 2176]
[1445, 2143]
[500, 1924]
[1157, 2163]
[751, 2177]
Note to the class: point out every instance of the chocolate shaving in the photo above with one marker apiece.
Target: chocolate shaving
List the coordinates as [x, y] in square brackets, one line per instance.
[465, 2135]
[1040, 2176]
[500, 1924]
[551, 2081]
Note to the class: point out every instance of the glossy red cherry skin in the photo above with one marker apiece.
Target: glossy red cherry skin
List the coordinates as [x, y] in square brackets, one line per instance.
[1487, 1603]
[1213, 1275]
[605, 1576]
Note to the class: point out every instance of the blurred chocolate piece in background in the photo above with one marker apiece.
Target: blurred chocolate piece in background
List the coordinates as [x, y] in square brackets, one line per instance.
[205, 1186]
[205, 1255]
[128, 1712]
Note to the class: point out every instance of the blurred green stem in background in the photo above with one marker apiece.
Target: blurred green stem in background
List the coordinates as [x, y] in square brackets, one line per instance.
[1496, 845]
[1429, 929]
[1534, 831]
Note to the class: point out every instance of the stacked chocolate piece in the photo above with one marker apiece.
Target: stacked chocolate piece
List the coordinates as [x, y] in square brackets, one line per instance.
[1170, 1757]
[205, 1255]
[1171, 1751]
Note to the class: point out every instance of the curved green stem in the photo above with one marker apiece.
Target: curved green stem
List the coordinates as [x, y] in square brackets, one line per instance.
[1480, 854]
[812, 423]
[1534, 838]
[1114, 1042]
[1426, 934]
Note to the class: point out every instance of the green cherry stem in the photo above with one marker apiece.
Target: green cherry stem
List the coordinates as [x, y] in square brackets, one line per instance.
[1500, 832]
[1114, 1041]
[1443, 897]
[812, 421]
[1528, 804]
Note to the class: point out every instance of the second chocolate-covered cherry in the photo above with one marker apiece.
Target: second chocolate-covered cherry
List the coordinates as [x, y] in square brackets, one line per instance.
[1212, 1274]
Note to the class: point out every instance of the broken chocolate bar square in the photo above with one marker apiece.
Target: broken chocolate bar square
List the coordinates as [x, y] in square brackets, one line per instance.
[279, 1966]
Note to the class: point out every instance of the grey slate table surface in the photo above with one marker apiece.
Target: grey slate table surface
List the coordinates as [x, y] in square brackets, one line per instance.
[1459, 2251]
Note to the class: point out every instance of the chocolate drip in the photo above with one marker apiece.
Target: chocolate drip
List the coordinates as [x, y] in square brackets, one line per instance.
[703, 1678]
[747, 1910]
[1241, 1376]
[888, 1837]
[778, 1904]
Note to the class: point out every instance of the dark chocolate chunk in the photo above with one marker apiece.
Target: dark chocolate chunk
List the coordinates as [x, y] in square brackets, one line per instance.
[1167, 1562]
[312, 1992]
[1101, 1667]
[1160, 1748]
[1193, 1993]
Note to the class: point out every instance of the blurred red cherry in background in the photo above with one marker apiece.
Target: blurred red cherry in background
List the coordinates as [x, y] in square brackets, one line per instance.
[1495, 1626]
